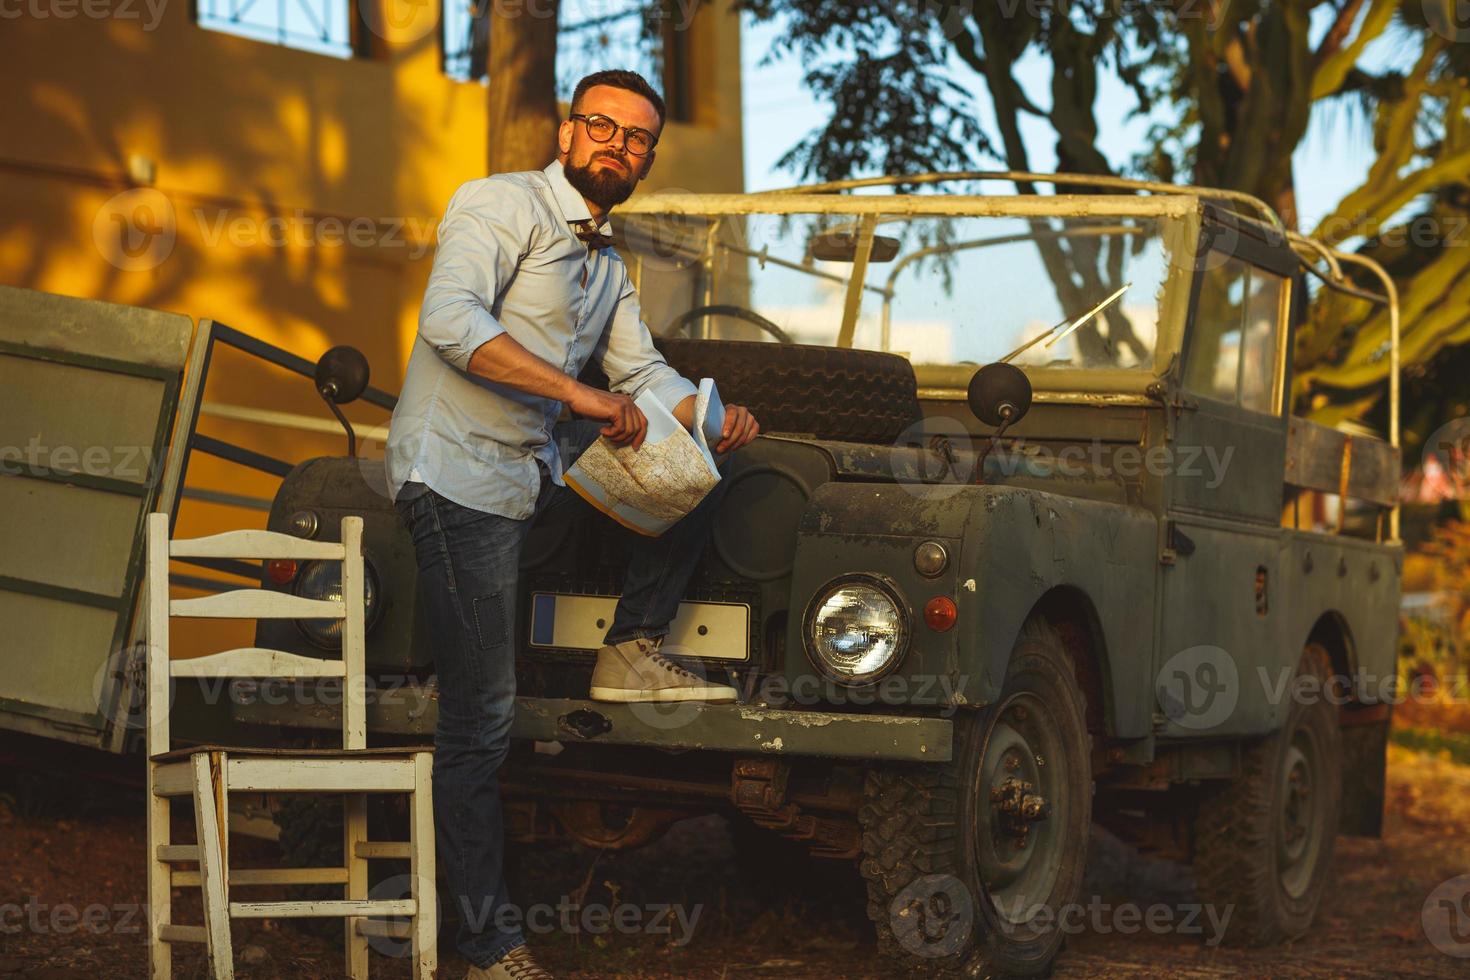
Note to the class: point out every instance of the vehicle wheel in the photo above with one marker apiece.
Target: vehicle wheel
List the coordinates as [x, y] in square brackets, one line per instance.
[830, 392]
[969, 864]
[1263, 842]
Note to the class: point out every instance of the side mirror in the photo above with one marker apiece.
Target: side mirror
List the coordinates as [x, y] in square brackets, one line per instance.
[342, 375]
[1000, 394]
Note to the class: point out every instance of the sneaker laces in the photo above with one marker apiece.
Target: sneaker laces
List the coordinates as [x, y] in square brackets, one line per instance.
[658, 657]
[522, 966]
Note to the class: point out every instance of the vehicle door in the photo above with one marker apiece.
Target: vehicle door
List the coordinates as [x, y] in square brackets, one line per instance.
[1221, 622]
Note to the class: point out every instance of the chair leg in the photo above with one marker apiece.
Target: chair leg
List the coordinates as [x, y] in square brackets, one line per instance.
[210, 813]
[421, 871]
[160, 885]
[355, 826]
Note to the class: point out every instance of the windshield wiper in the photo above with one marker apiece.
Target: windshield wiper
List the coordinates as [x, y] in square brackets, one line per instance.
[1070, 325]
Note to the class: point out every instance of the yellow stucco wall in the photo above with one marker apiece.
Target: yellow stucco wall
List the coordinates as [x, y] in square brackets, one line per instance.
[297, 194]
[255, 145]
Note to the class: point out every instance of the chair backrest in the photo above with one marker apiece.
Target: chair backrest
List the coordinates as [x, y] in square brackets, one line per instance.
[256, 604]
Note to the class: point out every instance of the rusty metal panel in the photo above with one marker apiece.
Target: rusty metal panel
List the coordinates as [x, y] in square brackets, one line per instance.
[90, 390]
[1316, 457]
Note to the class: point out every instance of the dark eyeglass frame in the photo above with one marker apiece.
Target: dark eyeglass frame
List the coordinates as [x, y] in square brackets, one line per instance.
[628, 132]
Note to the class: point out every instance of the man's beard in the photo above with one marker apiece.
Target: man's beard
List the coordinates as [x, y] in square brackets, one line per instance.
[604, 188]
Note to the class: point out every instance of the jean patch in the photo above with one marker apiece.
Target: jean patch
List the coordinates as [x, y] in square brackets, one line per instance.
[490, 619]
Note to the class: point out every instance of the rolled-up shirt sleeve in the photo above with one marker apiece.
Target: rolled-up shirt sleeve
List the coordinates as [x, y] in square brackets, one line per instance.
[630, 360]
[487, 229]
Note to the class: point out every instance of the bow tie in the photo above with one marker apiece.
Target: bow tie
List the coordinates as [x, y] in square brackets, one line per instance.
[588, 233]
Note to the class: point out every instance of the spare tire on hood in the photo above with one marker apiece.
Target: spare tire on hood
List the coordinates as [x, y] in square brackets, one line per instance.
[828, 392]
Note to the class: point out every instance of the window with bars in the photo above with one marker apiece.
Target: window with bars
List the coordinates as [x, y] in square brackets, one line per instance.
[593, 35]
[321, 26]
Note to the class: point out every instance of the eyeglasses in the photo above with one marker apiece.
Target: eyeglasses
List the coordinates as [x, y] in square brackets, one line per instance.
[601, 129]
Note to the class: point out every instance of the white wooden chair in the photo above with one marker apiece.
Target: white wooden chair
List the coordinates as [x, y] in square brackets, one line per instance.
[209, 773]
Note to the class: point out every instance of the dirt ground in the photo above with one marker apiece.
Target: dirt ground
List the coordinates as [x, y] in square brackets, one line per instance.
[72, 891]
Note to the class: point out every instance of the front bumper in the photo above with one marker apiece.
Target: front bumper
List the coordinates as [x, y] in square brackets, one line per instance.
[412, 711]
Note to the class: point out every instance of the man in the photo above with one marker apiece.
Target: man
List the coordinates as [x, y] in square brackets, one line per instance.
[523, 292]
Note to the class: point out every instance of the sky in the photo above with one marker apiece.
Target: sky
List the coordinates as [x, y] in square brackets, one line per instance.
[1332, 159]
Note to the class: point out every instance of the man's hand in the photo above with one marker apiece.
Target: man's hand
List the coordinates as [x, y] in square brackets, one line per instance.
[626, 424]
[740, 428]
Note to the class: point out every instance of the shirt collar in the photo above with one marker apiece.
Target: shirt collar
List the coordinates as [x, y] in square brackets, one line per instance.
[573, 207]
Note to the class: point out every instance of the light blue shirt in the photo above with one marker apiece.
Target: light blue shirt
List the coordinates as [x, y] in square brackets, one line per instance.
[509, 261]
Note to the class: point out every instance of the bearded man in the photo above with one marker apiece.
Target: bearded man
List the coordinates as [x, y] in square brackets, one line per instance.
[525, 290]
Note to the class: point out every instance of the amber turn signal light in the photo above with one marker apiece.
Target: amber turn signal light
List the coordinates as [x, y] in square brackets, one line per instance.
[940, 613]
[280, 570]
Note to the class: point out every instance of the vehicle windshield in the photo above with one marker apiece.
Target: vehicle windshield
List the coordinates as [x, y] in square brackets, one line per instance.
[940, 290]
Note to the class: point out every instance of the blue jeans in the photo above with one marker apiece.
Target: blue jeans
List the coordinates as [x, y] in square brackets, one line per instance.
[468, 574]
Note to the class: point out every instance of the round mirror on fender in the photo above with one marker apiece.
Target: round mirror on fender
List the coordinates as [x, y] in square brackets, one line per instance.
[1000, 394]
[342, 374]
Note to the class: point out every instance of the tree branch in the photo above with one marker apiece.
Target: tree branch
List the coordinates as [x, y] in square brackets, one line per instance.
[1331, 67]
[1338, 32]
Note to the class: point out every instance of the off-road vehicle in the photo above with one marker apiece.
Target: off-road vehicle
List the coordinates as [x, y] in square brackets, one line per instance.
[1025, 544]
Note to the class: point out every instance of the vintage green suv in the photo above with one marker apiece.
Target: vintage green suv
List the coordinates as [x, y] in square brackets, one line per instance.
[1030, 540]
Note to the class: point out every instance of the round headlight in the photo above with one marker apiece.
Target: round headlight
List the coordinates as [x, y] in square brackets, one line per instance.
[323, 580]
[857, 630]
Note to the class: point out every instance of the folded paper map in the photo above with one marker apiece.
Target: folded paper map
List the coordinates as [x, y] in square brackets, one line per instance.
[650, 488]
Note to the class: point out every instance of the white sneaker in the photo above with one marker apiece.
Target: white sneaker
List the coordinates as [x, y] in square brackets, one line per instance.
[518, 964]
[635, 670]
